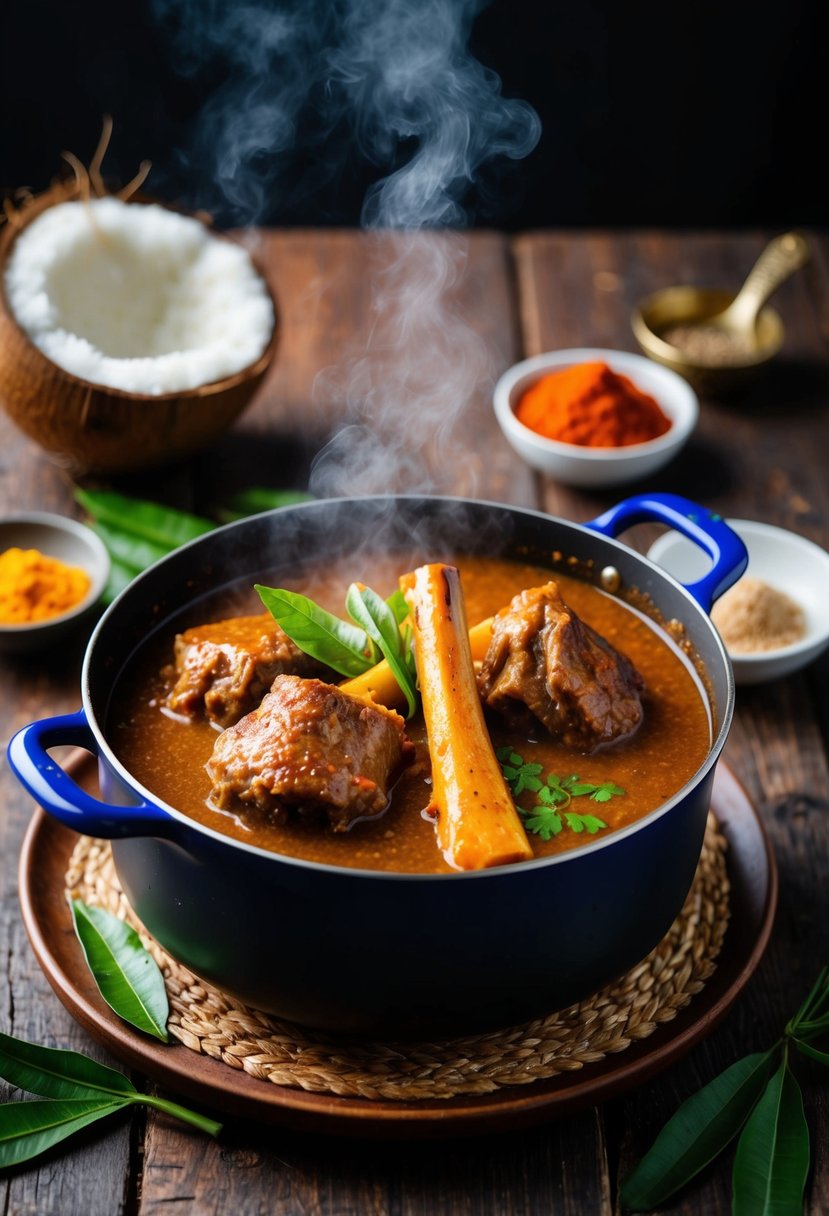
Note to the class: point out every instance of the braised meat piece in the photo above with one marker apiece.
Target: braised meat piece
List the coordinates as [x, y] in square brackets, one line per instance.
[313, 749]
[224, 669]
[545, 660]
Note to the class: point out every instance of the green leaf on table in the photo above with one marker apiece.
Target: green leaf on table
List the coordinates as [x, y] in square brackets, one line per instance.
[822, 1057]
[127, 976]
[259, 498]
[164, 526]
[697, 1132]
[375, 616]
[128, 550]
[76, 1090]
[318, 632]
[30, 1128]
[54, 1073]
[772, 1158]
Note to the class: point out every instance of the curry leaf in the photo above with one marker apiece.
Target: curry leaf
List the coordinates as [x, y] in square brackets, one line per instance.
[30, 1128]
[255, 499]
[131, 551]
[807, 1049]
[318, 632]
[127, 976]
[53, 1073]
[138, 517]
[772, 1158]
[380, 623]
[71, 1076]
[697, 1132]
[397, 603]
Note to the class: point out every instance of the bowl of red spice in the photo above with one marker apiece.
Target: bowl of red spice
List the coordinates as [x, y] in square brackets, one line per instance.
[595, 417]
[53, 572]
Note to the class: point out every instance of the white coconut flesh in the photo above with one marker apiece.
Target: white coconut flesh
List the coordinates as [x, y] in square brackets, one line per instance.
[136, 297]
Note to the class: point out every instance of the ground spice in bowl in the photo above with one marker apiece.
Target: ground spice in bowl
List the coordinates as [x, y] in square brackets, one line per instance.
[713, 346]
[35, 587]
[591, 405]
[753, 617]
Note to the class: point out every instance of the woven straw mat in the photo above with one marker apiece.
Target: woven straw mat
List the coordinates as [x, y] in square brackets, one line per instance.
[209, 1021]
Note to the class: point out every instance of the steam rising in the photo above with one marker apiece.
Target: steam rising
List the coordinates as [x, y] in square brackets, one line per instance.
[397, 78]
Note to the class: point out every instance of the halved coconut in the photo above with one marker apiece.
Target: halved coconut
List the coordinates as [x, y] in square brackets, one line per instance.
[130, 334]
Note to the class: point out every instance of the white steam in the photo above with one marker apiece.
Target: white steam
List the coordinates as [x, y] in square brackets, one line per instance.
[398, 76]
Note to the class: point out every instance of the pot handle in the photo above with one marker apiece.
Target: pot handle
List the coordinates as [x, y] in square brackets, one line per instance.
[57, 792]
[703, 527]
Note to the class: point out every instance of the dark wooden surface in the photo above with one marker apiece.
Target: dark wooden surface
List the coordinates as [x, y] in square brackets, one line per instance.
[408, 358]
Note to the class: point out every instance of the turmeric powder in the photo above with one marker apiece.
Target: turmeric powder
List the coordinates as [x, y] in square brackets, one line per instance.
[591, 405]
[35, 587]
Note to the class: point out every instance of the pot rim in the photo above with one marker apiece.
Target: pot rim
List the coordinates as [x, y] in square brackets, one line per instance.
[575, 855]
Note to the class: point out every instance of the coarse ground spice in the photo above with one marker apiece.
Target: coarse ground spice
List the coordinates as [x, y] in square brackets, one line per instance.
[591, 405]
[753, 617]
[712, 346]
[35, 587]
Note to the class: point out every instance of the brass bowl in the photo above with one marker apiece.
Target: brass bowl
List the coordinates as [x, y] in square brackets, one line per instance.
[690, 305]
[86, 427]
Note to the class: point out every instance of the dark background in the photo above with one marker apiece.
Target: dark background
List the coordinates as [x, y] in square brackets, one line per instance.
[681, 115]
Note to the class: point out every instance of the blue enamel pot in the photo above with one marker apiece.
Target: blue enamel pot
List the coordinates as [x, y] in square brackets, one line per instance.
[371, 952]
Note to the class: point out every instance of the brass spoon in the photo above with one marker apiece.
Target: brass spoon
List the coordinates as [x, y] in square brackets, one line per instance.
[781, 258]
[748, 334]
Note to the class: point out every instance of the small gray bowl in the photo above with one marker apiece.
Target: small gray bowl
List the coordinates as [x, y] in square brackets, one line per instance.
[70, 542]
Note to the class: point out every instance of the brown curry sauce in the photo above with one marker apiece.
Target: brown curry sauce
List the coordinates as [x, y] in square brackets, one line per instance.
[167, 754]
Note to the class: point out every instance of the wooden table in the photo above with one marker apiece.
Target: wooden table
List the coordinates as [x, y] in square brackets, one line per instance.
[764, 457]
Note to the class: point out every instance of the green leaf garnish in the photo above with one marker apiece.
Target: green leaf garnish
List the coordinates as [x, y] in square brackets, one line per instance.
[127, 976]
[380, 623]
[378, 628]
[552, 795]
[66, 1077]
[345, 647]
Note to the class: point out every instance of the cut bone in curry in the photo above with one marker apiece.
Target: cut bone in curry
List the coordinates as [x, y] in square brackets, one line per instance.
[545, 662]
[311, 748]
[225, 668]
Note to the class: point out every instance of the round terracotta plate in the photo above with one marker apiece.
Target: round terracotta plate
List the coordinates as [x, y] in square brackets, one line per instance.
[216, 1087]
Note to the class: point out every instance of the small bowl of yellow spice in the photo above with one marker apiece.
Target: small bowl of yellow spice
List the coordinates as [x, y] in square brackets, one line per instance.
[53, 571]
[775, 619]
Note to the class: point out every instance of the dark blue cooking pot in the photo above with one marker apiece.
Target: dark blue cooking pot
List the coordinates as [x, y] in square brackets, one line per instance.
[377, 952]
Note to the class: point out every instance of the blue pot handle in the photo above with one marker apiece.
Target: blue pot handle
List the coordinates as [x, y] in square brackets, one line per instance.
[62, 797]
[700, 525]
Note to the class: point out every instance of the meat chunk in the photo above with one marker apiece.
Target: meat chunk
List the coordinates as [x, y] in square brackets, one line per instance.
[311, 748]
[224, 669]
[545, 660]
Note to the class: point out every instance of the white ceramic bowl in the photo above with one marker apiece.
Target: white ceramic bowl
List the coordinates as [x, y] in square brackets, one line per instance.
[69, 542]
[574, 464]
[780, 558]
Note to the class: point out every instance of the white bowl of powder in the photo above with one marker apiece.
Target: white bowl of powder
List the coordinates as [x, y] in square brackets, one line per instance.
[775, 619]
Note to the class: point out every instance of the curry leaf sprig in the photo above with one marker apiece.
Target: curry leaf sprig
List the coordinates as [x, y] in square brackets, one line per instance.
[376, 629]
[549, 815]
[73, 1091]
[757, 1099]
[137, 532]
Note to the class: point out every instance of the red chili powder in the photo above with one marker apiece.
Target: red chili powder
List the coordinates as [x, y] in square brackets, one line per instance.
[591, 405]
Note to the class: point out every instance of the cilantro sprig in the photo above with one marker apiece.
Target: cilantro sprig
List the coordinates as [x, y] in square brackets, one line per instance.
[553, 796]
